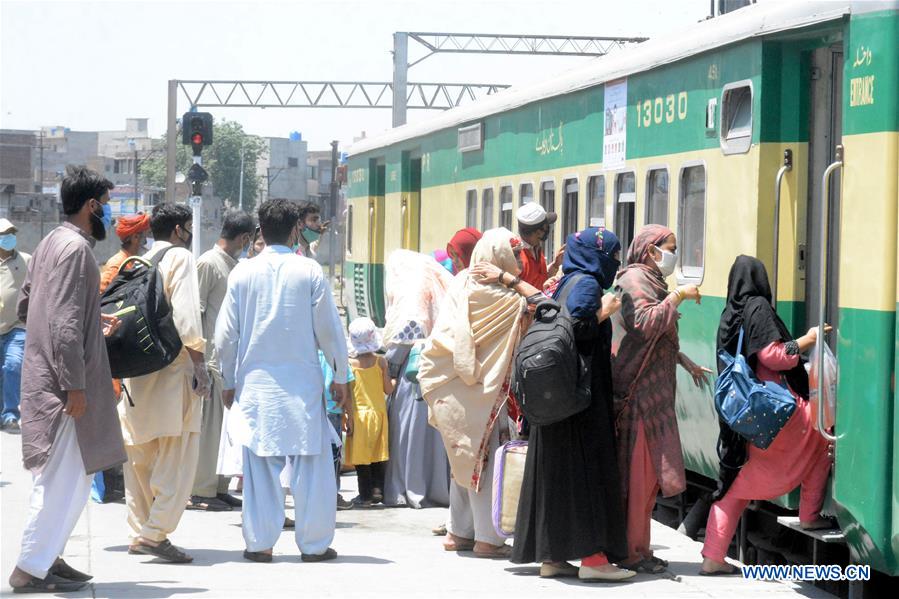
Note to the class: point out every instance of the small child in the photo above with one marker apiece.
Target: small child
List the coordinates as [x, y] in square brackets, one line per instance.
[367, 444]
[338, 420]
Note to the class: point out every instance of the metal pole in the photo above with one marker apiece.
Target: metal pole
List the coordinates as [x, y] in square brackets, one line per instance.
[136, 194]
[40, 184]
[822, 301]
[196, 205]
[171, 148]
[400, 76]
[240, 185]
[787, 166]
[332, 210]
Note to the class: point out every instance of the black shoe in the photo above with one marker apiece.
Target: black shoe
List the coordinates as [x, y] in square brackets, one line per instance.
[329, 554]
[343, 504]
[377, 496]
[289, 524]
[64, 570]
[359, 501]
[50, 584]
[207, 504]
[257, 556]
[229, 499]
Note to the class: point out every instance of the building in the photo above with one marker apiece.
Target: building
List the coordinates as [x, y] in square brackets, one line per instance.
[282, 170]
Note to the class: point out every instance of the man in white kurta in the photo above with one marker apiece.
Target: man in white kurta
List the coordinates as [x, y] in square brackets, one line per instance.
[162, 411]
[277, 313]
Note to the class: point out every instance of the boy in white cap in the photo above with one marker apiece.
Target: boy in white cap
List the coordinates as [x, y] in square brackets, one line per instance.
[534, 225]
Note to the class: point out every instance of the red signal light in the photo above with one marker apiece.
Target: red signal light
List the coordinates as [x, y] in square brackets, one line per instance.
[196, 139]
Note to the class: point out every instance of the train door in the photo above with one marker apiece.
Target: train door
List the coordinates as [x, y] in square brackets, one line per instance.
[411, 207]
[625, 209]
[825, 136]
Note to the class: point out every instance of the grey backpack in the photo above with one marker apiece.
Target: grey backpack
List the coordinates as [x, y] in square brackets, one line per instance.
[551, 380]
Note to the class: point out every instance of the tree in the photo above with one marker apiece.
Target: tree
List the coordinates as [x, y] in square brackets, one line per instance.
[221, 160]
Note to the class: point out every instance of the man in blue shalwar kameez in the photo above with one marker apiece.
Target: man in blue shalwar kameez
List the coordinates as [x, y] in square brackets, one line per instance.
[278, 312]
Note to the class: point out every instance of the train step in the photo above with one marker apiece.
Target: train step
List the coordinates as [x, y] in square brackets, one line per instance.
[824, 535]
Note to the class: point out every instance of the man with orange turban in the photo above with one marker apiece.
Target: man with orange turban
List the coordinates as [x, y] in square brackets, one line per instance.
[132, 231]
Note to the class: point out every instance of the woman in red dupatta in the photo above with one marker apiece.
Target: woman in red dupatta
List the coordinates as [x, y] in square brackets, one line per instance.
[643, 378]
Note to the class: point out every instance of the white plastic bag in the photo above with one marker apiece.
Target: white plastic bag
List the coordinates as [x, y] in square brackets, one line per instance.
[831, 377]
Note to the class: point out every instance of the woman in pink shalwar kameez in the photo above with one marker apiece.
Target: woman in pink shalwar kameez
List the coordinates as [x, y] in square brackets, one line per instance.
[798, 454]
[643, 377]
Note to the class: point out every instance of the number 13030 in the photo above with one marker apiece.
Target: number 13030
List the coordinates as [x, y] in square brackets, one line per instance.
[662, 110]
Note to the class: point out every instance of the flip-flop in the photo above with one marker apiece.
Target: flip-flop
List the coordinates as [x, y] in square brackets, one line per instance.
[734, 572]
[164, 551]
[207, 504]
[501, 552]
[64, 570]
[645, 566]
[50, 584]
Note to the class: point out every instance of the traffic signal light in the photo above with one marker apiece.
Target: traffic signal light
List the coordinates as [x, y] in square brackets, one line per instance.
[196, 128]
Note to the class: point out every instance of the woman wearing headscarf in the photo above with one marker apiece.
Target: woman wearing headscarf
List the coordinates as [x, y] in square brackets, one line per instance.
[461, 246]
[799, 454]
[464, 376]
[570, 505]
[644, 381]
[418, 472]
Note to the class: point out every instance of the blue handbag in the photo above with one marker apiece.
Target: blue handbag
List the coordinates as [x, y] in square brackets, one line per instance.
[756, 411]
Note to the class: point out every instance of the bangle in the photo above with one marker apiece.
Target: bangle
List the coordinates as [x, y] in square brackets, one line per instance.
[514, 282]
[680, 296]
[499, 279]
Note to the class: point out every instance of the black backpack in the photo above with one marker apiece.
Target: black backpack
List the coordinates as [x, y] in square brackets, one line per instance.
[147, 340]
[551, 380]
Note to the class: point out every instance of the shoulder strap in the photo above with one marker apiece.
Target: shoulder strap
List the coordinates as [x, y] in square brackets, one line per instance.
[566, 291]
[155, 260]
[740, 343]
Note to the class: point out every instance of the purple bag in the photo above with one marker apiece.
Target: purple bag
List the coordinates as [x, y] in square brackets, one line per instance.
[508, 472]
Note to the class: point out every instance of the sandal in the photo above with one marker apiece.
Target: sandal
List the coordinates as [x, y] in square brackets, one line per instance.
[732, 572]
[658, 560]
[261, 557]
[164, 551]
[207, 504]
[498, 552]
[289, 524]
[50, 584]
[454, 543]
[645, 566]
[63, 570]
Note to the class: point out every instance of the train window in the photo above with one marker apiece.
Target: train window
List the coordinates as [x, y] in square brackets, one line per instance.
[487, 210]
[596, 201]
[548, 201]
[657, 197]
[525, 194]
[691, 222]
[471, 208]
[569, 224]
[505, 207]
[736, 117]
[349, 230]
[625, 208]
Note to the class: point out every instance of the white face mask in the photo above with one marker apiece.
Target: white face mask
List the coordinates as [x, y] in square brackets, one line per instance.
[667, 263]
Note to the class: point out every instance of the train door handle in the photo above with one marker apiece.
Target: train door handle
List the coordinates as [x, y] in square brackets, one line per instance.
[822, 281]
[787, 166]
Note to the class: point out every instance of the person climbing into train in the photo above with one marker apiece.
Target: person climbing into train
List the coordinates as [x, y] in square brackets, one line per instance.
[460, 247]
[799, 454]
[534, 225]
[644, 382]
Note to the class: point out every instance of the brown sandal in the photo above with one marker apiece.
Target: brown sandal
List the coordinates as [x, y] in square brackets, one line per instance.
[457, 543]
[164, 551]
[498, 552]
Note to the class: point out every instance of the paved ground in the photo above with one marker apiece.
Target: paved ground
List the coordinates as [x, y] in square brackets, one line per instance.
[383, 552]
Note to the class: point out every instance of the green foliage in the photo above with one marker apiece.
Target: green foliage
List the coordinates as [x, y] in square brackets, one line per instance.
[221, 160]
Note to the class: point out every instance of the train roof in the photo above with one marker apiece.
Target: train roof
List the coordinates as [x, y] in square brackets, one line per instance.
[753, 21]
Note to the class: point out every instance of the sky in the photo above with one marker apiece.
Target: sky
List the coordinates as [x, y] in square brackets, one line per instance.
[90, 65]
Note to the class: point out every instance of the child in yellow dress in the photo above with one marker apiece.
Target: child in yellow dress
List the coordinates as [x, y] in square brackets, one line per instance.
[367, 444]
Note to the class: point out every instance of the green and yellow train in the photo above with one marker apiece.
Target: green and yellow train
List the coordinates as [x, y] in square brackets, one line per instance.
[771, 131]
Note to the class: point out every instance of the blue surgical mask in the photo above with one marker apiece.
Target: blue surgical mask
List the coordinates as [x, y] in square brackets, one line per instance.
[8, 242]
[107, 215]
[311, 235]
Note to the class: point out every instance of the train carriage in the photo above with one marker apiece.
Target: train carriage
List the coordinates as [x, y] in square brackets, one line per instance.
[771, 131]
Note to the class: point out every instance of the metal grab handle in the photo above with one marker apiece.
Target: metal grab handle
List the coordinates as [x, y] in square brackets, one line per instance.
[787, 166]
[822, 304]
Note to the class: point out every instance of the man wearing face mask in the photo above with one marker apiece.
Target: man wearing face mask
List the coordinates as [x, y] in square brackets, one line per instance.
[210, 491]
[311, 229]
[534, 225]
[132, 231]
[69, 428]
[13, 265]
[161, 420]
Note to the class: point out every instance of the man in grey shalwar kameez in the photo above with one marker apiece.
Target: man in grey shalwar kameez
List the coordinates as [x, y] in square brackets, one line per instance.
[69, 423]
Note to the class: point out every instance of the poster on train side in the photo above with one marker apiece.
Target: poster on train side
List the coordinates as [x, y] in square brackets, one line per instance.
[614, 141]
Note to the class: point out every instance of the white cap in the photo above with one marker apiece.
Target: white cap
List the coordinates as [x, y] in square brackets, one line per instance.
[6, 226]
[533, 213]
